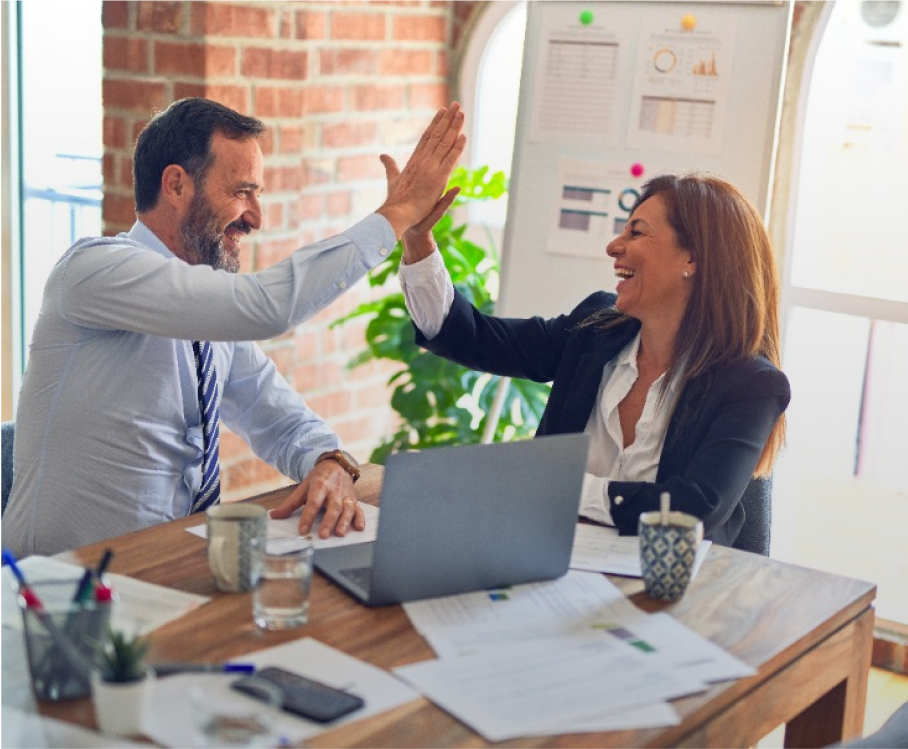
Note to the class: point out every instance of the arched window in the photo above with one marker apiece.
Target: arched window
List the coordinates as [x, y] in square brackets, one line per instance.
[490, 87]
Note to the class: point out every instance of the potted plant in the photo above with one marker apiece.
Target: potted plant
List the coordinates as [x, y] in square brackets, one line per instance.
[441, 403]
[121, 685]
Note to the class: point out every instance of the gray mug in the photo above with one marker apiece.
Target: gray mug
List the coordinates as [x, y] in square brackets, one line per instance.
[236, 542]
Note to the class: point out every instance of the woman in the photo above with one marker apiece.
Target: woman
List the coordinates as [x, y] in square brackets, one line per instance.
[675, 376]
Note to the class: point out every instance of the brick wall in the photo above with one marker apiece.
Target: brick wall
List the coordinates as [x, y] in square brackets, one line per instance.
[337, 83]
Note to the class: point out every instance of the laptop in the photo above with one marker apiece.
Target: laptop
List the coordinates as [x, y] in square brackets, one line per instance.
[460, 519]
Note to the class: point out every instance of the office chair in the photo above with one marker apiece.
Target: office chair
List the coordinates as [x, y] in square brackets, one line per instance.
[892, 734]
[8, 431]
[757, 502]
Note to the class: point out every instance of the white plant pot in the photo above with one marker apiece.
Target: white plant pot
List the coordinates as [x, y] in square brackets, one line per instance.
[120, 707]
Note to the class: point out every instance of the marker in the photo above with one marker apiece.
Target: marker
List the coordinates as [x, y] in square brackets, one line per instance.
[102, 565]
[83, 589]
[165, 669]
[28, 595]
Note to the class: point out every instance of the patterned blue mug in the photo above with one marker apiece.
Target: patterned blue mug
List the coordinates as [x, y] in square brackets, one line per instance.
[667, 552]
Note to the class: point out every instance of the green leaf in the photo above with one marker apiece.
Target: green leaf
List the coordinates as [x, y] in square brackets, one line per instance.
[440, 403]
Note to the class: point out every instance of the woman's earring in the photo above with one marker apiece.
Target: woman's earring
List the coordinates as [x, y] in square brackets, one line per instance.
[686, 274]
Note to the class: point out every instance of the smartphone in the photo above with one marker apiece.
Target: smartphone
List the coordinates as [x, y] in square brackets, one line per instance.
[303, 696]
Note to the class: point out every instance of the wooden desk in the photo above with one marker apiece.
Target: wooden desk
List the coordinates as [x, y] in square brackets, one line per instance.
[808, 633]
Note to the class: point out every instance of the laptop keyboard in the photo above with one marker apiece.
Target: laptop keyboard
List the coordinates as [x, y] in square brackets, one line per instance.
[359, 576]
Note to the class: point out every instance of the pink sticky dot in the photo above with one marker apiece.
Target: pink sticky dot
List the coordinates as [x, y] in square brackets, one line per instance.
[637, 170]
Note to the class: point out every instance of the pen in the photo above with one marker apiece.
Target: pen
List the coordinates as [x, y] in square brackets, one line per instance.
[102, 565]
[83, 589]
[165, 669]
[28, 595]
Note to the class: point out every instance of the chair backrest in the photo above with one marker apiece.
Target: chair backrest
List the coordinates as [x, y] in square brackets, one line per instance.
[757, 503]
[8, 433]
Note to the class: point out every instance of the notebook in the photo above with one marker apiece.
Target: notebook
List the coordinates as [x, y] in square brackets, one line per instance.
[459, 519]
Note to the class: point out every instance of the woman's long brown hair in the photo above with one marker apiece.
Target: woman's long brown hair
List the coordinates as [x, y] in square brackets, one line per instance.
[733, 312]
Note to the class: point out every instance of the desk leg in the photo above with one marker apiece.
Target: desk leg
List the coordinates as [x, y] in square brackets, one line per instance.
[839, 714]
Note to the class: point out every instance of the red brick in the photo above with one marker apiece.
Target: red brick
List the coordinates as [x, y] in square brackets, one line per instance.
[261, 62]
[374, 396]
[322, 99]
[279, 101]
[290, 138]
[349, 134]
[331, 404]
[235, 97]
[247, 472]
[284, 178]
[160, 17]
[272, 251]
[231, 443]
[375, 97]
[284, 359]
[405, 62]
[338, 203]
[310, 206]
[114, 132]
[119, 208]
[353, 168]
[126, 53]
[347, 62]
[318, 171]
[360, 26]
[307, 343]
[311, 25]
[226, 19]
[423, 28]
[428, 95]
[274, 217]
[130, 94]
[194, 59]
[115, 15]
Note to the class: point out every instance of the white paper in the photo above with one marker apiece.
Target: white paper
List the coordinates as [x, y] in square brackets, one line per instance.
[600, 549]
[139, 606]
[283, 534]
[681, 82]
[21, 728]
[171, 719]
[543, 690]
[576, 88]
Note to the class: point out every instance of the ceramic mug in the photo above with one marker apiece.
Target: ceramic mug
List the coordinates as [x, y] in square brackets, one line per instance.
[236, 541]
[667, 552]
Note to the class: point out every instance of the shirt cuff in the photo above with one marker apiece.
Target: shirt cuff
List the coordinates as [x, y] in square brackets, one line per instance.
[594, 499]
[428, 293]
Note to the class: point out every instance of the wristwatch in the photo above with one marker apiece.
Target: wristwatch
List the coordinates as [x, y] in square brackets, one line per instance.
[346, 460]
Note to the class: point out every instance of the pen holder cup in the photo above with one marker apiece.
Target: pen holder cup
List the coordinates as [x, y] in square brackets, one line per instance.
[63, 639]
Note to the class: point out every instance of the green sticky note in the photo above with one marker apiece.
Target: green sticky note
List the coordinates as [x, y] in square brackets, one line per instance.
[586, 17]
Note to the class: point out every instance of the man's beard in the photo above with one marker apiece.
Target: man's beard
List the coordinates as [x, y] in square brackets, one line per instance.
[203, 242]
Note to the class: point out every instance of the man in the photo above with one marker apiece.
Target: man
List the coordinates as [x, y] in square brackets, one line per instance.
[145, 340]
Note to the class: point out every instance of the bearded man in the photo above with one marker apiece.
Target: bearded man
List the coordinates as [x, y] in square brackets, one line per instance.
[145, 341]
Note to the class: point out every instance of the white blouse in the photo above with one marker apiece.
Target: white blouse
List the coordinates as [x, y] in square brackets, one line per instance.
[429, 294]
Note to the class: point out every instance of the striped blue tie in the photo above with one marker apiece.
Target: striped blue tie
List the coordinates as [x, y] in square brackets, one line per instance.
[210, 489]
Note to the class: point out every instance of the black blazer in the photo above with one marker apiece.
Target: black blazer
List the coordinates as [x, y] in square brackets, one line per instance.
[715, 436]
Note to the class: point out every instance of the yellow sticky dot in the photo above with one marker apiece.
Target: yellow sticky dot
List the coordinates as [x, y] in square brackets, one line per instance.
[689, 22]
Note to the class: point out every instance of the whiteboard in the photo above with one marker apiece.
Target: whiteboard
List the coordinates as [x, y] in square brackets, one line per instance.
[613, 93]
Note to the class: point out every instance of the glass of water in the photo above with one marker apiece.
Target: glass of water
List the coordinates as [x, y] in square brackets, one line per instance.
[281, 599]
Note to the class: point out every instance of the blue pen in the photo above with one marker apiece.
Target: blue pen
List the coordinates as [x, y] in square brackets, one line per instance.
[164, 669]
[83, 589]
[31, 599]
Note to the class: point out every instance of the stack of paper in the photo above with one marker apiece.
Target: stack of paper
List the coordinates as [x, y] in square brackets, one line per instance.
[565, 656]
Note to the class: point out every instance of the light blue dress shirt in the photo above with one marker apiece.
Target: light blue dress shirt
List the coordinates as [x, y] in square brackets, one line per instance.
[108, 430]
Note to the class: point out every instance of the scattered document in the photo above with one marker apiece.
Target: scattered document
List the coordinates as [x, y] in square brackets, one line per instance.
[171, 721]
[528, 690]
[21, 728]
[508, 653]
[139, 606]
[598, 548]
[284, 537]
